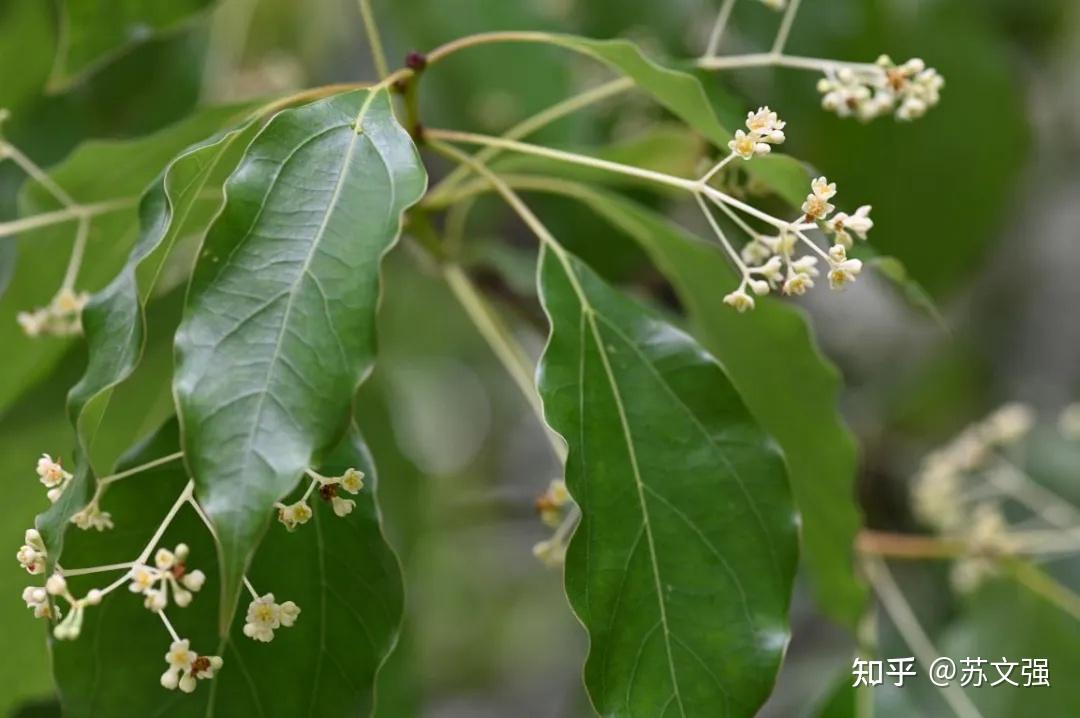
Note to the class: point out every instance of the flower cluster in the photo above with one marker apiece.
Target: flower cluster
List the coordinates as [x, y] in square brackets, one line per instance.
[299, 512]
[53, 476]
[558, 511]
[92, 517]
[32, 554]
[871, 91]
[770, 262]
[264, 616]
[169, 573]
[42, 602]
[186, 667]
[950, 492]
[62, 317]
[765, 129]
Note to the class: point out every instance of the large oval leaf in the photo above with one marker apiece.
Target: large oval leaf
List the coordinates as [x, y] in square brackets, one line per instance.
[279, 327]
[682, 566]
[340, 571]
[774, 362]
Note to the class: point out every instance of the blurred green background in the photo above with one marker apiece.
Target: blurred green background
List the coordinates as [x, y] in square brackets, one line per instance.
[978, 200]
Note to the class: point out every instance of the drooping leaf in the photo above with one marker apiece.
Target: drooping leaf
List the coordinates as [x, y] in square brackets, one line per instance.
[97, 172]
[788, 385]
[279, 327]
[338, 570]
[682, 566]
[94, 32]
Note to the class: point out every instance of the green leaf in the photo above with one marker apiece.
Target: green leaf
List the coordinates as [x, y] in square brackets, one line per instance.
[340, 571]
[97, 172]
[682, 566]
[788, 385]
[279, 327]
[95, 32]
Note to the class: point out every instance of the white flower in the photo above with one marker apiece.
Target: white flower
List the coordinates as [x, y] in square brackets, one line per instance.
[748, 145]
[859, 223]
[50, 471]
[143, 579]
[798, 284]
[870, 92]
[294, 514]
[92, 517]
[755, 252]
[342, 507]
[844, 273]
[70, 627]
[186, 667]
[56, 585]
[817, 204]
[352, 481]
[263, 618]
[550, 503]
[193, 581]
[164, 559]
[1069, 422]
[1008, 424]
[766, 125]
[33, 323]
[837, 253]
[759, 286]
[551, 552]
[289, 613]
[37, 599]
[32, 554]
[806, 265]
[739, 300]
[773, 270]
[156, 600]
[775, 4]
[61, 318]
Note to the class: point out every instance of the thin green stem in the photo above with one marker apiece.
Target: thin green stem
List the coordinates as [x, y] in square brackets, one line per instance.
[168, 626]
[68, 214]
[95, 569]
[78, 249]
[485, 38]
[899, 610]
[719, 27]
[533, 124]
[185, 495]
[30, 167]
[1039, 582]
[772, 59]
[141, 468]
[251, 589]
[371, 29]
[785, 27]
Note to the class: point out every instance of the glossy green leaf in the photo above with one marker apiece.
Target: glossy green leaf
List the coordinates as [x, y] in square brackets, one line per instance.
[279, 327]
[682, 566]
[338, 570]
[789, 386]
[94, 32]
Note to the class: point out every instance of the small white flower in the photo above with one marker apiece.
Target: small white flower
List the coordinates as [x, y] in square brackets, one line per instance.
[37, 599]
[844, 273]
[180, 659]
[551, 552]
[748, 145]
[31, 555]
[155, 600]
[143, 579]
[92, 517]
[263, 618]
[755, 252]
[759, 286]
[69, 628]
[806, 265]
[766, 125]
[1008, 424]
[739, 300]
[352, 481]
[798, 284]
[194, 580]
[859, 223]
[94, 596]
[33, 323]
[837, 253]
[164, 559]
[289, 613]
[1069, 422]
[294, 515]
[56, 585]
[342, 507]
[773, 270]
[50, 471]
[774, 4]
[817, 204]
